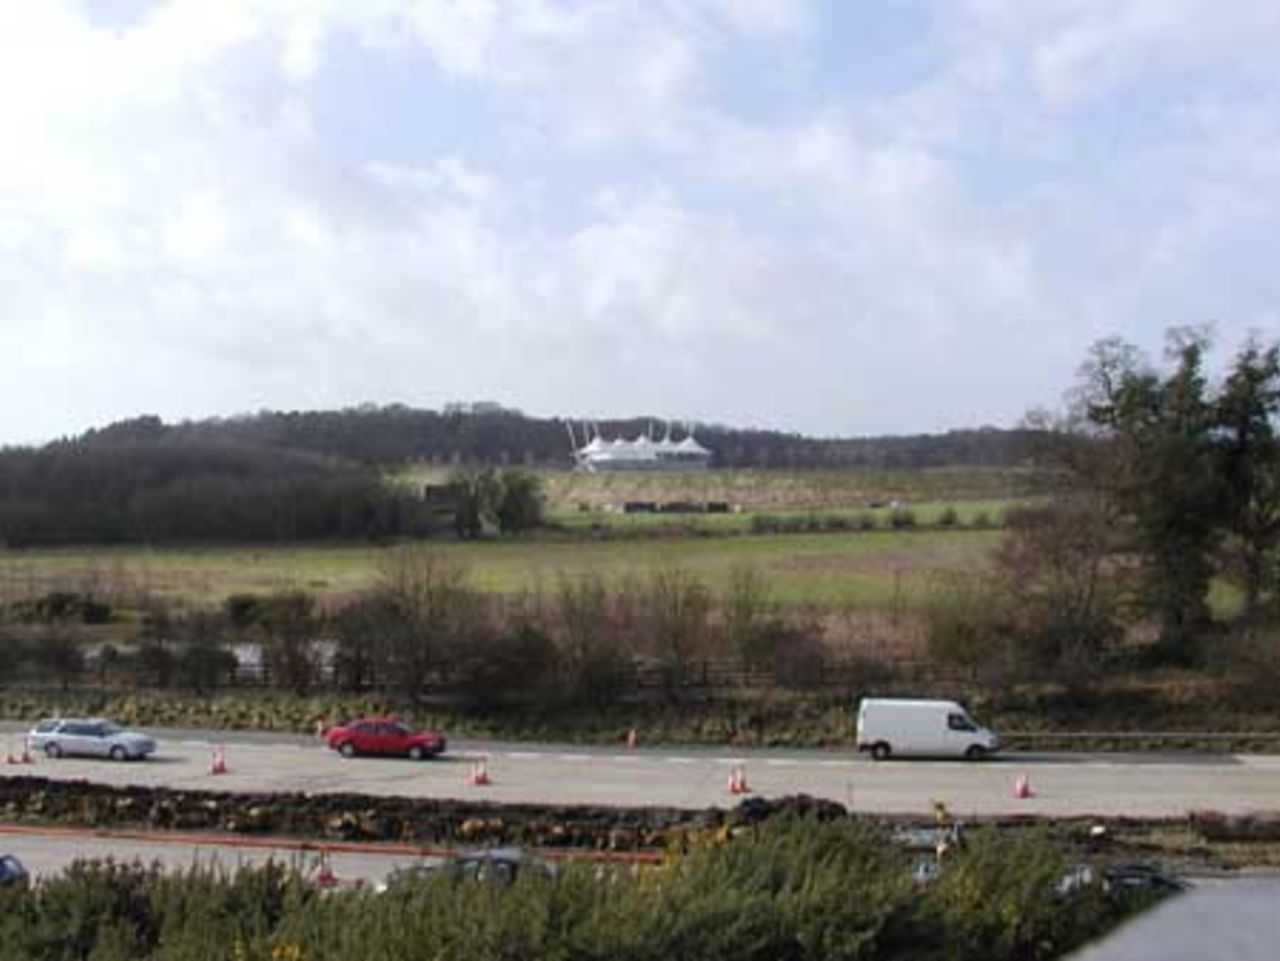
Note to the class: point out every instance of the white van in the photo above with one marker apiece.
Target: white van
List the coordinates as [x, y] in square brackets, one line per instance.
[890, 727]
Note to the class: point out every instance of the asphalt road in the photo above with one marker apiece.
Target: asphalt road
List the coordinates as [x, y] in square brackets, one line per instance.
[47, 853]
[1107, 784]
[1234, 920]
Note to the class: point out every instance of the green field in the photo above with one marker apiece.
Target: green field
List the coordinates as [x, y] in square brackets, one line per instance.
[983, 513]
[775, 490]
[873, 569]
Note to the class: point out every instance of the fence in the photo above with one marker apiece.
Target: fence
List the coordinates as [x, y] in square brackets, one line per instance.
[644, 676]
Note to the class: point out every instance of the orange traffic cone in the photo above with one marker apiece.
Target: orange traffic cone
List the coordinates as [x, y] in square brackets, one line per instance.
[27, 756]
[218, 760]
[1022, 787]
[325, 877]
[479, 776]
[738, 780]
[631, 739]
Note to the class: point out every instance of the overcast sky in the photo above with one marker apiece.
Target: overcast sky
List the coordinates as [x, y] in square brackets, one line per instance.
[840, 217]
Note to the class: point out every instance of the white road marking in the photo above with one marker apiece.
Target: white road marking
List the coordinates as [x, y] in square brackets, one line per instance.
[679, 760]
[575, 757]
[781, 762]
[524, 755]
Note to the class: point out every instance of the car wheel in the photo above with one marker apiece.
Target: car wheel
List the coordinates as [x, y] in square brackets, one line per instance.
[976, 752]
[881, 751]
[416, 753]
[347, 749]
[52, 751]
[118, 753]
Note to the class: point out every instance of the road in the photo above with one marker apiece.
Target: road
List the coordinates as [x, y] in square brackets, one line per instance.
[47, 851]
[1108, 784]
[1231, 919]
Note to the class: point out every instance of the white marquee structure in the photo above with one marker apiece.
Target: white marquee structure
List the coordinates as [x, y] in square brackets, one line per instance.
[596, 453]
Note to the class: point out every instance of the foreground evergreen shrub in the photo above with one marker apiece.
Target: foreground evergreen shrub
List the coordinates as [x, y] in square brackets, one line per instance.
[788, 891]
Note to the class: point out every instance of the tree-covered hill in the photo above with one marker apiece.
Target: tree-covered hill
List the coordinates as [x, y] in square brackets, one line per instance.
[289, 476]
[486, 433]
[140, 481]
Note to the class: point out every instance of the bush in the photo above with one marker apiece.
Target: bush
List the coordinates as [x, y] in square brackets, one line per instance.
[506, 666]
[791, 887]
[246, 610]
[1250, 660]
[156, 663]
[902, 518]
[967, 628]
[948, 517]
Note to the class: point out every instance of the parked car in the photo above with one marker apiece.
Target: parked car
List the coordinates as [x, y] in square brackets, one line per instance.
[491, 865]
[383, 735]
[13, 872]
[88, 737]
[889, 727]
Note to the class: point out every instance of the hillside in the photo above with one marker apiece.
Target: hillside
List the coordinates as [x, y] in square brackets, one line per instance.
[490, 434]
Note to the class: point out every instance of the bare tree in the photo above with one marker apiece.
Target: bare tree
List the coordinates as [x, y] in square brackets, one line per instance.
[679, 608]
[435, 608]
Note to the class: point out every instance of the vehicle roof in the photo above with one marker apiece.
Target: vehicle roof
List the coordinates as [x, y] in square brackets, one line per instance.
[76, 720]
[495, 854]
[376, 719]
[911, 702]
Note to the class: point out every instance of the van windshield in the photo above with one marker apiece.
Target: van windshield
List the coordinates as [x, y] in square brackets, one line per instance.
[959, 722]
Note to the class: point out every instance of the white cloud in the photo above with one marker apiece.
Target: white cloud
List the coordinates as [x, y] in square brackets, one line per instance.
[178, 234]
[1076, 50]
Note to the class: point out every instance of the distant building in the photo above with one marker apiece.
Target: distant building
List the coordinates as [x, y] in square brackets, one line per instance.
[644, 453]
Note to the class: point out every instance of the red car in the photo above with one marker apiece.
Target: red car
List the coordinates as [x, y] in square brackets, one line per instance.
[383, 735]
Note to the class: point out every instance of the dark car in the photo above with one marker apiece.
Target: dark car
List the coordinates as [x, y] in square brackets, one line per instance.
[385, 736]
[13, 872]
[492, 865]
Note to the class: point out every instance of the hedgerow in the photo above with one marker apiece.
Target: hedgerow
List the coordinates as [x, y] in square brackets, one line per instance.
[789, 890]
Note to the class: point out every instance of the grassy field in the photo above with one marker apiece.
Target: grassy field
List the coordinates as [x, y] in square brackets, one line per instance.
[872, 569]
[981, 513]
[777, 490]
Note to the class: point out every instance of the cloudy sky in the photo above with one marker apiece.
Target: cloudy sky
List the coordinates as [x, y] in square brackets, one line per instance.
[839, 217]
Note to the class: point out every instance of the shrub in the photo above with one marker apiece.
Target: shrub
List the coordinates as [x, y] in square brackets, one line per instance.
[901, 518]
[246, 610]
[156, 663]
[967, 627]
[793, 887]
[948, 517]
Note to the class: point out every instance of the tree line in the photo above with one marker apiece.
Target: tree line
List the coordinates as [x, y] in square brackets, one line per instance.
[488, 434]
[1171, 496]
[143, 483]
[424, 628]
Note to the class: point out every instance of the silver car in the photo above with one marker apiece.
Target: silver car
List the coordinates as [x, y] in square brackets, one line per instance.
[88, 737]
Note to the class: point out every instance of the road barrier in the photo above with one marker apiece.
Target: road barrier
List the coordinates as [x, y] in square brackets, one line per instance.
[1022, 787]
[478, 776]
[25, 757]
[218, 760]
[325, 877]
